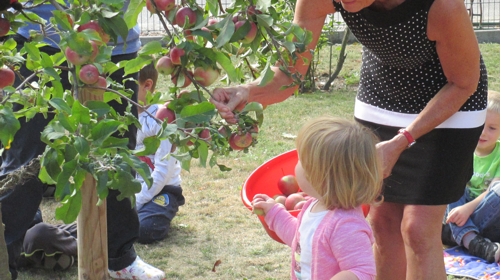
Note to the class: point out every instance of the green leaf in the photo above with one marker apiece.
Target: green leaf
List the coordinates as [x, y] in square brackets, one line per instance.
[80, 113]
[264, 20]
[32, 50]
[70, 208]
[82, 146]
[266, 75]
[61, 19]
[103, 130]
[114, 142]
[50, 161]
[213, 7]
[141, 168]
[98, 107]
[9, 125]
[126, 183]
[150, 146]
[202, 112]
[133, 10]
[151, 48]
[226, 31]
[66, 122]
[60, 105]
[203, 152]
[134, 65]
[116, 25]
[102, 184]
[226, 63]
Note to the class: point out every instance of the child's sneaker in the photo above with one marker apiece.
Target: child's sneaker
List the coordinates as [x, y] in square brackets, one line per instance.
[57, 261]
[484, 248]
[138, 270]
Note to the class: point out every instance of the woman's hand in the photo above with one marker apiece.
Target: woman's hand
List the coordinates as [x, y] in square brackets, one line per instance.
[228, 99]
[390, 152]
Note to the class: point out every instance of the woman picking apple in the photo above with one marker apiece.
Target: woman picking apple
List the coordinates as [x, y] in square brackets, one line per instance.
[422, 82]
[339, 170]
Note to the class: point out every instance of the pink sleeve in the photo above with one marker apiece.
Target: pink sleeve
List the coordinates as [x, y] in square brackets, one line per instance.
[351, 243]
[282, 223]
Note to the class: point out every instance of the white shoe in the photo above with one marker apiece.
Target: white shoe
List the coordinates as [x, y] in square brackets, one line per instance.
[138, 270]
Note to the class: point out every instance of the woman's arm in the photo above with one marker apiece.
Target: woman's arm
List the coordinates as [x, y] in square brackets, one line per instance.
[309, 15]
[457, 47]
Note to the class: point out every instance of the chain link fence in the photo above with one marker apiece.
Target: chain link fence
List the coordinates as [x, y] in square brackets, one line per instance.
[484, 14]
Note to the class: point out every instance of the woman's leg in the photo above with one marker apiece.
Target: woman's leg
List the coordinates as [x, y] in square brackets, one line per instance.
[421, 233]
[389, 249]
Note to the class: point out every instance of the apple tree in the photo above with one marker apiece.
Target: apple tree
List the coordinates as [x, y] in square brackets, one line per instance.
[202, 45]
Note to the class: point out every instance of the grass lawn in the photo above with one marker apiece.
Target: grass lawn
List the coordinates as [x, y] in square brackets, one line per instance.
[214, 225]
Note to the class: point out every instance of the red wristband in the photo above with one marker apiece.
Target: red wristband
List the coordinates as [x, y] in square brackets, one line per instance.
[408, 136]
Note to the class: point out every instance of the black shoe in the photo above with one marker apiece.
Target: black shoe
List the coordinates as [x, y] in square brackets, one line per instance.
[447, 238]
[484, 248]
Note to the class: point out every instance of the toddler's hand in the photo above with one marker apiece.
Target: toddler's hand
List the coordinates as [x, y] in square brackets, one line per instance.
[262, 202]
[459, 215]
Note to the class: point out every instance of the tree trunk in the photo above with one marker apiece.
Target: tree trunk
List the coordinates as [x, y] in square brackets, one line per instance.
[340, 60]
[92, 228]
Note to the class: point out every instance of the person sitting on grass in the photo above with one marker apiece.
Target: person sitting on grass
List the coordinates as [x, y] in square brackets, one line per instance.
[473, 221]
[340, 170]
[156, 206]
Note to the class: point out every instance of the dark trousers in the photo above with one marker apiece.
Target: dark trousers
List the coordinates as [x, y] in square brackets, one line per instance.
[20, 205]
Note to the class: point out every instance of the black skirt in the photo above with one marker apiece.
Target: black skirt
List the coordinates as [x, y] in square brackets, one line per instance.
[435, 170]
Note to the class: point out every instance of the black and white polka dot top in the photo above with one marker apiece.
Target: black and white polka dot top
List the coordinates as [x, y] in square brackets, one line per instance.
[401, 70]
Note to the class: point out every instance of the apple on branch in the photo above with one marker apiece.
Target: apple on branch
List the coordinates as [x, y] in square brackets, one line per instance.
[165, 65]
[4, 26]
[240, 141]
[251, 35]
[94, 25]
[175, 55]
[165, 113]
[89, 74]
[162, 5]
[186, 17]
[7, 77]
[205, 76]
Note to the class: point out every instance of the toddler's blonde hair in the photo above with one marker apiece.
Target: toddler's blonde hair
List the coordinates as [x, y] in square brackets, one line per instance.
[493, 101]
[340, 161]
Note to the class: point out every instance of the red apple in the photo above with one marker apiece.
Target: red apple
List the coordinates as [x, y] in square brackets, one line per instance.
[188, 36]
[165, 113]
[187, 80]
[4, 27]
[165, 65]
[242, 140]
[186, 17]
[79, 59]
[288, 185]
[205, 134]
[234, 146]
[300, 205]
[212, 21]
[95, 26]
[101, 82]
[175, 55]
[280, 199]
[224, 132]
[89, 74]
[206, 76]
[162, 5]
[251, 35]
[292, 200]
[251, 11]
[7, 77]
[237, 18]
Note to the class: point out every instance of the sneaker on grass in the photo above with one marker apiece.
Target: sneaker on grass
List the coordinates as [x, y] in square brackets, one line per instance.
[484, 248]
[138, 270]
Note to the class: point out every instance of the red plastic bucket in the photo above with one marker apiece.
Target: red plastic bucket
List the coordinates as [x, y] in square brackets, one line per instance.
[264, 180]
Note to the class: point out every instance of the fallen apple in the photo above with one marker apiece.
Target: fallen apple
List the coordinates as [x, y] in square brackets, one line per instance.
[258, 211]
[280, 199]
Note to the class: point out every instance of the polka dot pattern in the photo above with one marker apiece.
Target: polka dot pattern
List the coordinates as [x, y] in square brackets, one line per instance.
[401, 70]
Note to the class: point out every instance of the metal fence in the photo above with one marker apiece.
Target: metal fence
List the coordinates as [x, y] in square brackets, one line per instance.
[484, 14]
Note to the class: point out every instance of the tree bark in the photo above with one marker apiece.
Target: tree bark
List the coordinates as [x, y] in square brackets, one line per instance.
[340, 60]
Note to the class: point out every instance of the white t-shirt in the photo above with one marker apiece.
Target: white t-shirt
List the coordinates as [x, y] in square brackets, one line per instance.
[307, 228]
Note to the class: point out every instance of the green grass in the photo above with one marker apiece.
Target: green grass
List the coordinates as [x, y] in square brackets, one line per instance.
[214, 224]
